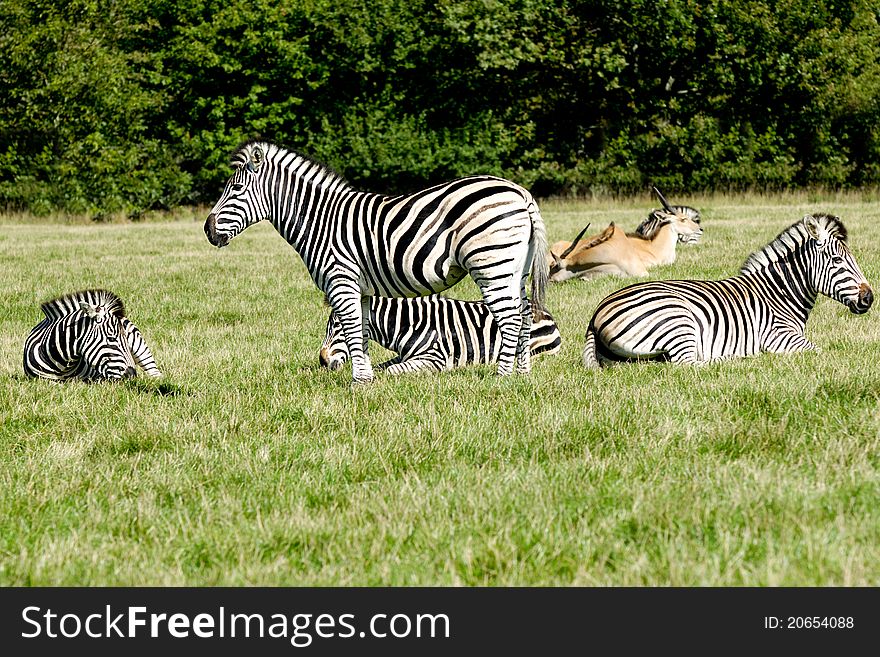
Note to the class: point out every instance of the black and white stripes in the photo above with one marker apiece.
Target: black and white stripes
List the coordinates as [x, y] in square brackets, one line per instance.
[357, 245]
[764, 308]
[86, 335]
[435, 333]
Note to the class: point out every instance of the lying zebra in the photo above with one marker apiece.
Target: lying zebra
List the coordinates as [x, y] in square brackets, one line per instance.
[434, 333]
[657, 218]
[764, 308]
[86, 335]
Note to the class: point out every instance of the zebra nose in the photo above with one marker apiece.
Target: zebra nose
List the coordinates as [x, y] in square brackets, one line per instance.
[866, 296]
[324, 358]
[211, 232]
[130, 372]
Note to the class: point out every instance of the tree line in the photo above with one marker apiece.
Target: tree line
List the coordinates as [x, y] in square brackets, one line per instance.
[132, 105]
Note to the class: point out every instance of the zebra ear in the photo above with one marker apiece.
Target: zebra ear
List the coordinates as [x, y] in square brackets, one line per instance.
[815, 229]
[255, 161]
[94, 312]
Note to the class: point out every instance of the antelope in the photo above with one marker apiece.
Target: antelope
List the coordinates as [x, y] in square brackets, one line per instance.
[615, 252]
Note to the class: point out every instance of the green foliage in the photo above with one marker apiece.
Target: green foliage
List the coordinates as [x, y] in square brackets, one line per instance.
[138, 104]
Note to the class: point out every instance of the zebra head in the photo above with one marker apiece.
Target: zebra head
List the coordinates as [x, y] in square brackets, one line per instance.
[836, 274]
[104, 347]
[684, 220]
[334, 350]
[241, 203]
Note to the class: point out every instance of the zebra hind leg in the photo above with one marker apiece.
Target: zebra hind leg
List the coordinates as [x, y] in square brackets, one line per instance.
[501, 285]
[509, 321]
[523, 353]
[684, 351]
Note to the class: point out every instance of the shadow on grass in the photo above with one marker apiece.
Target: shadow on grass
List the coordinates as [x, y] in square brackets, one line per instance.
[144, 386]
[151, 387]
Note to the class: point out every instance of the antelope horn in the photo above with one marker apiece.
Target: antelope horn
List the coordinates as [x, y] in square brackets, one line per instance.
[573, 244]
[663, 201]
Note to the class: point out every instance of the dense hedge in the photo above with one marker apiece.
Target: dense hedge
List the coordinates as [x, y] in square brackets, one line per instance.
[137, 104]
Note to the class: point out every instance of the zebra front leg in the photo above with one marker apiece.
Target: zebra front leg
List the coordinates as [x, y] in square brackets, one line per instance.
[786, 342]
[349, 309]
[388, 363]
[139, 349]
[419, 364]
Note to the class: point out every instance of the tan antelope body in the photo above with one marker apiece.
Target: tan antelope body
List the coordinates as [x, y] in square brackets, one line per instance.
[615, 252]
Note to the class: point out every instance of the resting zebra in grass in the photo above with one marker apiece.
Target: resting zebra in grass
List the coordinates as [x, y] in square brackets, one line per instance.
[86, 335]
[652, 223]
[764, 308]
[435, 333]
[356, 245]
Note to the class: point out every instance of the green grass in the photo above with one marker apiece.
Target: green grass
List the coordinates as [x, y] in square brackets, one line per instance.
[249, 465]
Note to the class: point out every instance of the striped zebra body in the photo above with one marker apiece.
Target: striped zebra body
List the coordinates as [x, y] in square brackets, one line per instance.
[356, 245]
[763, 309]
[86, 335]
[435, 333]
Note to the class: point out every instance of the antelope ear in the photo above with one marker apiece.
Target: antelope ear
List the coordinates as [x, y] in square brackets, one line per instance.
[255, 161]
[814, 229]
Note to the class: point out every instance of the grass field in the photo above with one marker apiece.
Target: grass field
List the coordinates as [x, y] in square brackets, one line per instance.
[248, 465]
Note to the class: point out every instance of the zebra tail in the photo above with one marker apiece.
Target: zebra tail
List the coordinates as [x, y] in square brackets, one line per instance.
[591, 362]
[540, 269]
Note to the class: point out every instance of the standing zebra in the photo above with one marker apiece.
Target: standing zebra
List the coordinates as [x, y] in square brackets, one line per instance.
[435, 333]
[764, 308]
[356, 245]
[86, 335]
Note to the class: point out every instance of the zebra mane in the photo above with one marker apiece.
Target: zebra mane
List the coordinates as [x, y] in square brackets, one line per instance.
[651, 224]
[323, 173]
[789, 240]
[658, 218]
[69, 303]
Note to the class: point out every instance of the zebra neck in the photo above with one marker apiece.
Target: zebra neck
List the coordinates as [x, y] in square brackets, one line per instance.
[61, 347]
[315, 208]
[787, 291]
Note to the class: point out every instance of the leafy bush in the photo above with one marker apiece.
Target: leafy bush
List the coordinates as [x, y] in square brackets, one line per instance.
[138, 104]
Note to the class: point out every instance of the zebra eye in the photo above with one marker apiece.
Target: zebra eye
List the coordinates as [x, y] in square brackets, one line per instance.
[837, 260]
[237, 187]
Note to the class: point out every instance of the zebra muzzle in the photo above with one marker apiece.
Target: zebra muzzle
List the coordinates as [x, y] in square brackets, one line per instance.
[333, 362]
[214, 238]
[865, 300]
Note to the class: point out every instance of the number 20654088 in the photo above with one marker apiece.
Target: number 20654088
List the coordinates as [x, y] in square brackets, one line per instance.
[809, 622]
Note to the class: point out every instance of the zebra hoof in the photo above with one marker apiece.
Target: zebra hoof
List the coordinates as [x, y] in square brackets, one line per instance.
[361, 380]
